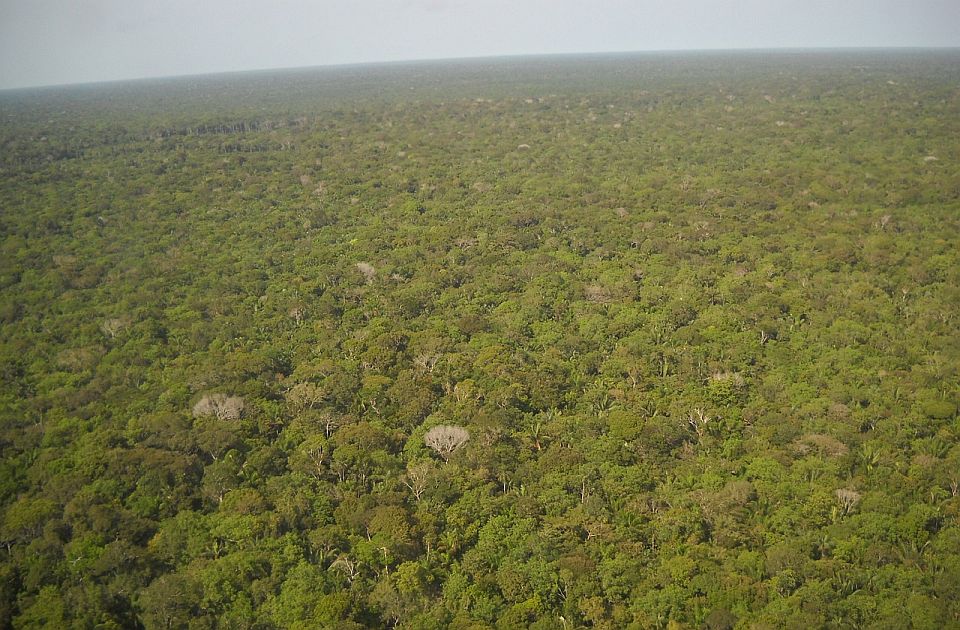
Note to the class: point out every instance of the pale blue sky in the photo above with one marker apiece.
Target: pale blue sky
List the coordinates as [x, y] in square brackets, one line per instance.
[45, 42]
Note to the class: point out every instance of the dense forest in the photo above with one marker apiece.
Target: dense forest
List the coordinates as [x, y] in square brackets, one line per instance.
[635, 341]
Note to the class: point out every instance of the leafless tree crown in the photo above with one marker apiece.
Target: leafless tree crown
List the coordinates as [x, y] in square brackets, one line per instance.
[220, 405]
[367, 270]
[445, 439]
[848, 499]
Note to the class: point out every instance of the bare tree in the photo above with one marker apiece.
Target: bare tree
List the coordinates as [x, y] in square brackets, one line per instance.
[699, 421]
[297, 313]
[315, 451]
[346, 566]
[848, 500]
[418, 477]
[114, 326]
[445, 439]
[330, 423]
[426, 361]
[597, 293]
[369, 273]
[220, 405]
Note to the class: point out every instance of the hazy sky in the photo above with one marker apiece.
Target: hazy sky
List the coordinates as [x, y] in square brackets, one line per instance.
[46, 42]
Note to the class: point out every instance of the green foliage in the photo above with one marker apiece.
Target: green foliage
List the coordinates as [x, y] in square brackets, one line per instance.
[696, 314]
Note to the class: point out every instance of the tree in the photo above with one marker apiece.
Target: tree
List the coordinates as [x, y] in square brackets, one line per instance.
[418, 477]
[24, 520]
[47, 610]
[169, 602]
[304, 396]
[311, 456]
[848, 499]
[445, 439]
[220, 405]
[367, 270]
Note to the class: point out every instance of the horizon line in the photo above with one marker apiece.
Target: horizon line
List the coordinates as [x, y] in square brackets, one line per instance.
[421, 60]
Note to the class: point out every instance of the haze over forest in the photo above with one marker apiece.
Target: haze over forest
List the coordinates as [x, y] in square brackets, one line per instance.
[46, 42]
